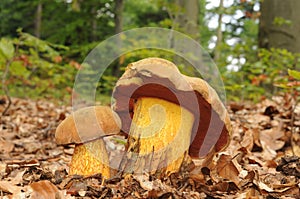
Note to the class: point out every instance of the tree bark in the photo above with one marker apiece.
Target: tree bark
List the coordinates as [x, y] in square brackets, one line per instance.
[119, 16]
[118, 29]
[94, 25]
[188, 18]
[217, 50]
[38, 20]
[283, 35]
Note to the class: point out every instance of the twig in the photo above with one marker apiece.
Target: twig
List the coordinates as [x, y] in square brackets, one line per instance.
[292, 123]
[4, 86]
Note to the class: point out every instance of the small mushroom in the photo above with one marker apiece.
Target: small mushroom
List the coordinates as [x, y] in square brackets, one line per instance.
[86, 127]
[168, 115]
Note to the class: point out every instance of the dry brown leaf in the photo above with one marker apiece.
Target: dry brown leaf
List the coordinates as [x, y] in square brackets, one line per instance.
[76, 187]
[248, 140]
[270, 143]
[9, 187]
[251, 193]
[296, 143]
[264, 186]
[256, 135]
[248, 179]
[24, 163]
[145, 183]
[3, 167]
[18, 178]
[259, 119]
[44, 189]
[6, 146]
[6, 134]
[226, 169]
[31, 121]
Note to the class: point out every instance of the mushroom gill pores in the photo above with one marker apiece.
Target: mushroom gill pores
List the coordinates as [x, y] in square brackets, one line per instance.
[157, 131]
[85, 128]
[195, 120]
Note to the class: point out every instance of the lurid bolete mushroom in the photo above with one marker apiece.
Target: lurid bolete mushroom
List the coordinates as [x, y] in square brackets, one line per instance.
[85, 128]
[167, 115]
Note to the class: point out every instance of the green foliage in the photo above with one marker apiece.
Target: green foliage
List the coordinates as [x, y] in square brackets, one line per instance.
[249, 72]
[62, 23]
[7, 50]
[35, 68]
[294, 74]
[15, 14]
[264, 76]
[145, 13]
[281, 21]
[291, 81]
[47, 66]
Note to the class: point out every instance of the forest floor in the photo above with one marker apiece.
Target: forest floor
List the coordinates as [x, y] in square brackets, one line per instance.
[262, 160]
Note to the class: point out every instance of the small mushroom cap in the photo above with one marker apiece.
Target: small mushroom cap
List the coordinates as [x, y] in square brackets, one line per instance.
[87, 124]
[155, 77]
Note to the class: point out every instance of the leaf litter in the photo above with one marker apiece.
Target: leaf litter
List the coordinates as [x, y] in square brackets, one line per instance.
[262, 160]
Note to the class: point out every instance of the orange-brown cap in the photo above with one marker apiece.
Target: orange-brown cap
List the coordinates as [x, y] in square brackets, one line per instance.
[155, 77]
[88, 124]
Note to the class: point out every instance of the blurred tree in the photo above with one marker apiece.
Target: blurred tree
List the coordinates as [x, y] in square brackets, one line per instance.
[145, 13]
[64, 22]
[217, 50]
[280, 25]
[16, 14]
[187, 17]
[118, 11]
[38, 20]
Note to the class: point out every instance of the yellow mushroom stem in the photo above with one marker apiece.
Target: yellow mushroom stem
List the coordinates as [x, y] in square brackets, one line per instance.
[90, 158]
[160, 134]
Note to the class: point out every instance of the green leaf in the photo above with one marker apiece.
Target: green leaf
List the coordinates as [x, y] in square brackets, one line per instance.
[18, 69]
[282, 85]
[7, 48]
[295, 74]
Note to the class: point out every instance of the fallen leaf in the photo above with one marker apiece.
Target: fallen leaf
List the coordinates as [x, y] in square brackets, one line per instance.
[30, 127]
[18, 178]
[248, 140]
[23, 163]
[3, 167]
[6, 146]
[296, 143]
[270, 143]
[44, 189]
[9, 187]
[76, 187]
[265, 187]
[144, 182]
[226, 168]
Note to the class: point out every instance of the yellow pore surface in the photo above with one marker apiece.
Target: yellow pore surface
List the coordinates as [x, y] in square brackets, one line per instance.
[162, 127]
[90, 158]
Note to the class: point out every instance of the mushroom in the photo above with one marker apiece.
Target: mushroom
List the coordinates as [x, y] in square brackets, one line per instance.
[167, 115]
[86, 127]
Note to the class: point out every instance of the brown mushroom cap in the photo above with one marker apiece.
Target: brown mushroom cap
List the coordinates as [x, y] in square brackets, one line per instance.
[87, 124]
[159, 78]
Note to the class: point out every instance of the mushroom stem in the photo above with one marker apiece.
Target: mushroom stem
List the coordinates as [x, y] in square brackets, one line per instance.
[90, 158]
[159, 136]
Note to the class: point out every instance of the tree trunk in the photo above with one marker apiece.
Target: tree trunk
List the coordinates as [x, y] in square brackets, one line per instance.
[118, 29]
[38, 20]
[94, 25]
[280, 25]
[119, 16]
[217, 50]
[188, 18]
